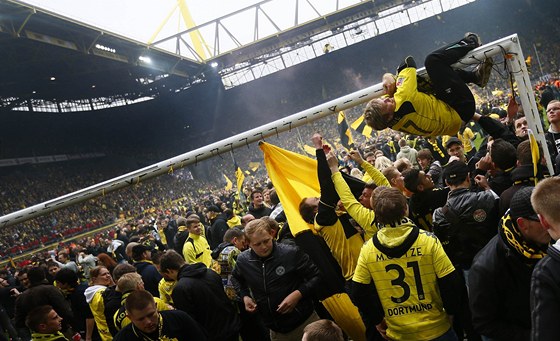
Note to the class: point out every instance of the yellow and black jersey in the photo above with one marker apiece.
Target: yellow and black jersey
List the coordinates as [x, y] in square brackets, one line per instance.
[405, 277]
[345, 246]
[120, 318]
[197, 250]
[165, 289]
[97, 306]
[421, 114]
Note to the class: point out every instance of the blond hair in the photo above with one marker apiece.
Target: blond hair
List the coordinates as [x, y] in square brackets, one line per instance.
[256, 225]
[546, 199]
[129, 282]
[323, 330]
[374, 117]
[383, 162]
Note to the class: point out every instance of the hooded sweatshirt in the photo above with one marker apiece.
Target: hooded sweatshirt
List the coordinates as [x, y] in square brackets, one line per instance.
[96, 303]
[410, 154]
[400, 251]
[200, 293]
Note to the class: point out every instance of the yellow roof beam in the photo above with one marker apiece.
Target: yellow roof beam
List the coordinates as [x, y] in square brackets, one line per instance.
[199, 45]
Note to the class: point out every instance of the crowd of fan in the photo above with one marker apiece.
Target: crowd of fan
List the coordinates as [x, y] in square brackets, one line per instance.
[143, 252]
[204, 223]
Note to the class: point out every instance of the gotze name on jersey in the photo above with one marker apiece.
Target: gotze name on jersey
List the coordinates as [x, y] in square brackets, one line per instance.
[412, 252]
[408, 309]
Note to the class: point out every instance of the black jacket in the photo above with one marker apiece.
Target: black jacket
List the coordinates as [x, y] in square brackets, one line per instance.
[545, 294]
[423, 204]
[41, 294]
[177, 325]
[499, 289]
[474, 223]
[179, 239]
[81, 311]
[259, 212]
[553, 143]
[500, 181]
[273, 278]
[200, 293]
[150, 276]
[215, 234]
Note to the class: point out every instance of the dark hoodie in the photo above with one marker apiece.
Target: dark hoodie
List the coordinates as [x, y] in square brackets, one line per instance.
[521, 176]
[150, 276]
[215, 234]
[200, 293]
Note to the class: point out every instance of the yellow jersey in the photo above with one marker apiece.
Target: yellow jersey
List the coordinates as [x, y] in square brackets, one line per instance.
[197, 250]
[165, 289]
[419, 113]
[345, 250]
[97, 306]
[407, 284]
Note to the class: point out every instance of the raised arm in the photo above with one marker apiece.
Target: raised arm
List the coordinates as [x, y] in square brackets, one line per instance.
[376, 176]
[363, 216]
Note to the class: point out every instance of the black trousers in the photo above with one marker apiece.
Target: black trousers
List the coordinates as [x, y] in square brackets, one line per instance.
[450, 85]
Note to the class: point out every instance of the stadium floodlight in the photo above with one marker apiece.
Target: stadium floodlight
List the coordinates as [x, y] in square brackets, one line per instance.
[144, 59]
[508, 46]
[105, 48]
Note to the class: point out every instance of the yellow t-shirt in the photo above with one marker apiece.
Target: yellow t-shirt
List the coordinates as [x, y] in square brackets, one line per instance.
[466, 138]
[407, 286]
[421, 114]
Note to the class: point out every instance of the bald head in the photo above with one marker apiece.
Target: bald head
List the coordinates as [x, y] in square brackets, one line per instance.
[247, 218]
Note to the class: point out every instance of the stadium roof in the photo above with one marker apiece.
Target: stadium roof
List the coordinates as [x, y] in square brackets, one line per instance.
[52, 61]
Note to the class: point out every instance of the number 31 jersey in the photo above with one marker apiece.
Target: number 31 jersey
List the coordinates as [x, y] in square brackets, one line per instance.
[407, 284]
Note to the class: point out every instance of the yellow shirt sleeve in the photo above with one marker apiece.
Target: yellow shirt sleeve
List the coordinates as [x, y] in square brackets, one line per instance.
[376, 176]
[468, 133]
[161, 305]
[165, 289]
[363, 216]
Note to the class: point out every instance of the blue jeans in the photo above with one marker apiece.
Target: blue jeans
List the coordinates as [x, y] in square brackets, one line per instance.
[448, 336]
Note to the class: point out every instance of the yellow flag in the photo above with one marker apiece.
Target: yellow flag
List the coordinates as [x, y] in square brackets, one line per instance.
[240, 177]
[361, 127]
[307, 149]
[535, 155]
[254, 166]
[344, 132]
[229, 184]
[294, 177]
